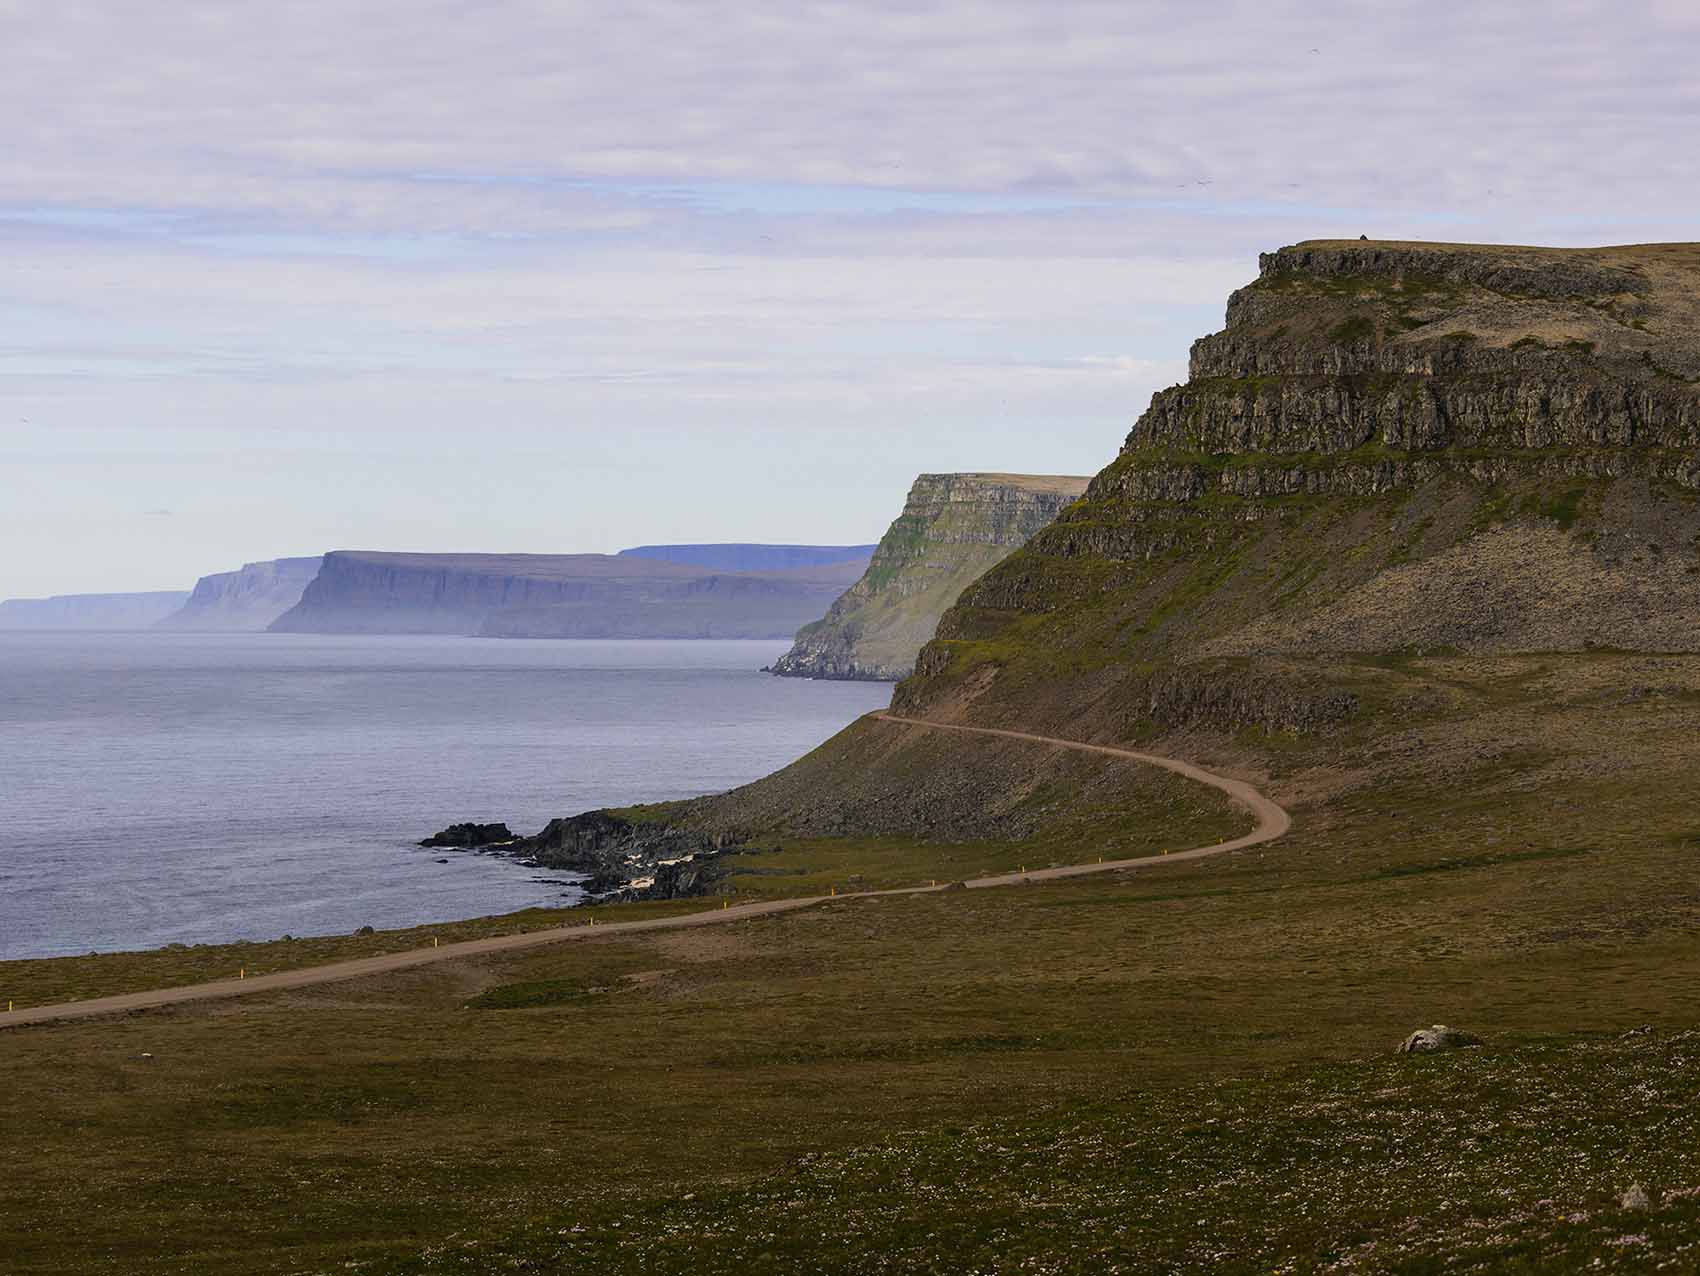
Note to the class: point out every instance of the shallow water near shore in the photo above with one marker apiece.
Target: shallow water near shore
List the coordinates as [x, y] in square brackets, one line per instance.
[189, 788]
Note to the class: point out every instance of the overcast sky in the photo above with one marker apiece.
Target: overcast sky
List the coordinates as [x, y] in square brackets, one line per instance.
[558, 277]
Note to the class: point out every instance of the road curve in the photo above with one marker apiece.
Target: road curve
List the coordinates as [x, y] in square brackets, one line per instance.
[1272, 822]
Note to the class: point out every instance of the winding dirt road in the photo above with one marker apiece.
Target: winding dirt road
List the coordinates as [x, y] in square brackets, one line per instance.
[1272, 822]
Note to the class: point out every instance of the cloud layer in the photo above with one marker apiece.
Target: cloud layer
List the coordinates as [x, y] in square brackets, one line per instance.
[306, 273]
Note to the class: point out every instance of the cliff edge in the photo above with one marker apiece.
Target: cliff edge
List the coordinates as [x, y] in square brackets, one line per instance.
[1389, 447]
[90, 611]
[953, 528]
[245, 600]
[557, 596]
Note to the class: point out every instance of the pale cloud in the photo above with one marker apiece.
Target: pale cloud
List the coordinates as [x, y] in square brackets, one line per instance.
[760, 262]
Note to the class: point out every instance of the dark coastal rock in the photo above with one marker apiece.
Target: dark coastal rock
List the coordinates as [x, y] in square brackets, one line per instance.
[469, 835]
[623, 859]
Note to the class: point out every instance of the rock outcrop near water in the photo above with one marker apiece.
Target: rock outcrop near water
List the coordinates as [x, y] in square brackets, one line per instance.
[624, 856]
[90, 611]
[1389, 447]
[470, 835]
[558, 596]
[953, 528]
[248, 599]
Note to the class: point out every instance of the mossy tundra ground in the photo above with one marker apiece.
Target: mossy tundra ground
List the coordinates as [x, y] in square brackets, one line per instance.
[1183, 1068]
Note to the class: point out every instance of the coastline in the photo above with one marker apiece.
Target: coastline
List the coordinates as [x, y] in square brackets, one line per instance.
[184, 788]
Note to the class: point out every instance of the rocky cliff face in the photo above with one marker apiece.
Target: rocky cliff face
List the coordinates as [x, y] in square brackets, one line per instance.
[90, 611]
[1388, 447]
[557, 596]
[248, 599]
[953, 528]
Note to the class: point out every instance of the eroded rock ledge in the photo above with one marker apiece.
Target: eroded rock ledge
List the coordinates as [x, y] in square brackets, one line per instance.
[623, 859]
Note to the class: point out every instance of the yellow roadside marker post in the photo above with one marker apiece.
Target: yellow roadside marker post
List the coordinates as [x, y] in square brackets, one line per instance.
[242, 973]
[433, 941]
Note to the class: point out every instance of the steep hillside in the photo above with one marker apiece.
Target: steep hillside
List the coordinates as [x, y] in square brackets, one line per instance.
[751, 558]
[1388, 448]
[952, 529]
[556, 596]
[90, 611]
[1391, 450]
[247, 599]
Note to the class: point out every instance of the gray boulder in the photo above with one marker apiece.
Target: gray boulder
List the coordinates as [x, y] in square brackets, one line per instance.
[1439, 1037]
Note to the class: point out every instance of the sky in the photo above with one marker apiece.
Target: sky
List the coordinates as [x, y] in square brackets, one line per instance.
[563, 277]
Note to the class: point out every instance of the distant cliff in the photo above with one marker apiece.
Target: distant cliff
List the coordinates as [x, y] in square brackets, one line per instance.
[953, 529]
[248, 599]
[557, 596]
[90, 611]
[751, 558]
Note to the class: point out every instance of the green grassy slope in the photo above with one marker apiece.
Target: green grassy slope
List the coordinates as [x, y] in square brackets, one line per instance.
[1506, 845]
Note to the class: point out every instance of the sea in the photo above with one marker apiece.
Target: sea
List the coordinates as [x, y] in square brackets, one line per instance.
[198, 788]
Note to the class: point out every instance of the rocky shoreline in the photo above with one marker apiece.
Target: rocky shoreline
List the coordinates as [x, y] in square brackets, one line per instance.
[623, 860]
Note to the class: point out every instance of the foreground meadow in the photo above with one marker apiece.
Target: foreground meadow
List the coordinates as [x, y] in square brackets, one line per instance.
[1186, 1067]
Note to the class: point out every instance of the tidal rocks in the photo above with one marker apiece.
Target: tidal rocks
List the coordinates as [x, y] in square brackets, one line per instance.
[1439, 1037]
[628, 859]
[470, 835]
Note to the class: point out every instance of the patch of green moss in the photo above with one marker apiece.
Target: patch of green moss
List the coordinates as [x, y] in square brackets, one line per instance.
[1563, 508]
[1351, 330]
[532, 994]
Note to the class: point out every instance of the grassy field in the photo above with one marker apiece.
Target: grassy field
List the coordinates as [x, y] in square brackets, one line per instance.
[1180, 1068]
[55, 979]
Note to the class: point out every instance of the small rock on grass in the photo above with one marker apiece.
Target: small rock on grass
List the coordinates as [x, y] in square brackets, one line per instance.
[1439, 1037]
[1636, 1198]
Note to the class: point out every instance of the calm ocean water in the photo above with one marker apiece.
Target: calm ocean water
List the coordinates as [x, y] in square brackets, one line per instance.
[202, 788]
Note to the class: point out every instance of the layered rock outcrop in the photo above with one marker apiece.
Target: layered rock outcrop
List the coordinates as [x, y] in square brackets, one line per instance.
[952, 529]
[1388, 447]
[558, 596]
[247, 599]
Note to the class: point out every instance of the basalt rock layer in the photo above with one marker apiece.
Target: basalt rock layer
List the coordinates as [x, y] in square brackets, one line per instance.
[1388, 447]
[953, 528]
